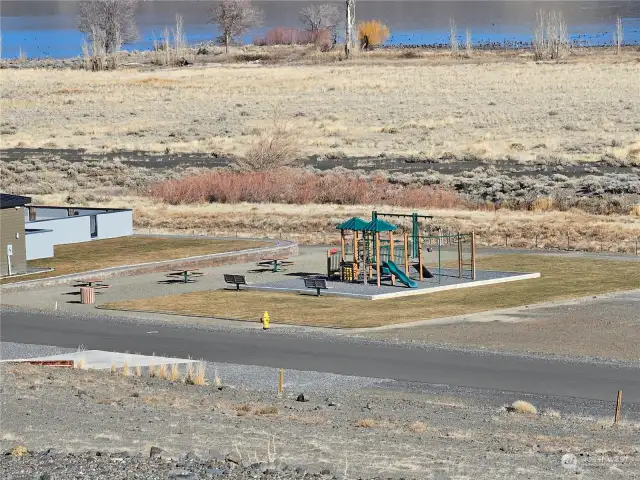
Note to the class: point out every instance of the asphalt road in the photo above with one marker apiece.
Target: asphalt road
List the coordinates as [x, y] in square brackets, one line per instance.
[330, 354]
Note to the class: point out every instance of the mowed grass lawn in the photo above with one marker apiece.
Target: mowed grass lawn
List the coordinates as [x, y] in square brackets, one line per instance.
[114, 252]
[561, 278]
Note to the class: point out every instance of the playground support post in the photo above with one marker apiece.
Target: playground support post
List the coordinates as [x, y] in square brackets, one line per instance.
[406, 253]
[329, 263]
[473, 255]
[459, 257]
[356, 256]
[364, 259]
[420, 256]
[391, 256]
[342, 246]
[378, 258]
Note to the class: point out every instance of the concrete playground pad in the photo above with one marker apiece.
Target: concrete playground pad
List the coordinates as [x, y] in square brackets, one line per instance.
[101, 360]
[446, 280]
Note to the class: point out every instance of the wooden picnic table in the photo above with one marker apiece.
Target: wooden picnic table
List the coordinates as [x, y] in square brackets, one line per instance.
[92, 282]
[275, 263]
[186, 274]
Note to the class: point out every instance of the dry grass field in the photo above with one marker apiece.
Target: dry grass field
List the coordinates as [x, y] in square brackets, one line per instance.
[577, 110]
[114, 252]
[561, 278]
[315, 224]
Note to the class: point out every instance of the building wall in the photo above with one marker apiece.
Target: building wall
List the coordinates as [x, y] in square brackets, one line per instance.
[39, 245]
[12, 223]
[65, 230]
[115, 224]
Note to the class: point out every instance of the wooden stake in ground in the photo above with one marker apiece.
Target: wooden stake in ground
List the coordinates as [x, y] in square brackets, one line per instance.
[616, 419]
[281, 381]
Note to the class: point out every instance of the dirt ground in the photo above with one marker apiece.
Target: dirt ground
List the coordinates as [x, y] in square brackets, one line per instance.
[362, 433]
[604, 327]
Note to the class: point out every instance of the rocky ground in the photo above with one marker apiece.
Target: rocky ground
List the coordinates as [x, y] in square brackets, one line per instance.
[59, 423]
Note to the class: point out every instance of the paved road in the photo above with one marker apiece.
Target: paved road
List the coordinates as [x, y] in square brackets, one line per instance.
[330, 354]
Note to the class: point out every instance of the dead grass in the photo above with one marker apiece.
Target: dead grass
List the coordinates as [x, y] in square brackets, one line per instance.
[98, 254]
[315, 224]
[433, 104]
[418, 427]
[267, 410]
[366, 423]
[522, 406]
[561, 278]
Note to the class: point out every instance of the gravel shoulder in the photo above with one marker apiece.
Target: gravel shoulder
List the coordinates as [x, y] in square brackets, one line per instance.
[362, 429]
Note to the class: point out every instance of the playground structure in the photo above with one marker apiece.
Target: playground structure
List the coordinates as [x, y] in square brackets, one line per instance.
[365, 254]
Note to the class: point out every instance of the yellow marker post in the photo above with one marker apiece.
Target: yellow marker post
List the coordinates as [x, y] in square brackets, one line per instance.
[265, 320]
[281, 381]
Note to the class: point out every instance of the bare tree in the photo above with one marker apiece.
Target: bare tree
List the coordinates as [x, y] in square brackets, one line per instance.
[349, 38]
[321, 17]
[550, 35]
[110, 23]
[618, 35]
[453, 36]
[277, 146]
[468, 43]
[233, 18]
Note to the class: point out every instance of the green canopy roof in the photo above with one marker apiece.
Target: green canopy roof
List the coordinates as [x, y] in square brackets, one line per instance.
[379, 225]
[355, 223]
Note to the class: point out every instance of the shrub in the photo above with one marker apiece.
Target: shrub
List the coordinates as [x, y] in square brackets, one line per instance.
[522, 406]
[372, 33]
[367, 423]
[293, 36]
[295, 186]
[277, 147]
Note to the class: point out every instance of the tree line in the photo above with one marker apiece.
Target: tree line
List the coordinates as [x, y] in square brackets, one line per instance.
[110, 24]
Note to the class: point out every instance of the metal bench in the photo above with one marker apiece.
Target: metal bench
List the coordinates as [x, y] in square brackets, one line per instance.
[317, 283]
[236, 280]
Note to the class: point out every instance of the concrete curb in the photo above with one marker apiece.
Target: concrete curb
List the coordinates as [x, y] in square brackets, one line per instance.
[279, 247]
[405, 293]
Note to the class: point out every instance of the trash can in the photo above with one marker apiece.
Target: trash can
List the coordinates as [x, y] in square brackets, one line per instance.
[87, 295]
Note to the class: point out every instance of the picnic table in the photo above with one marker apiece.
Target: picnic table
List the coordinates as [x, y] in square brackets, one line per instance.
[187, 275]
[92, 282]
[274, 263]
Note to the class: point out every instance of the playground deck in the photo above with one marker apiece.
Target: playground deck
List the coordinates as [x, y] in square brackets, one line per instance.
[447, 280]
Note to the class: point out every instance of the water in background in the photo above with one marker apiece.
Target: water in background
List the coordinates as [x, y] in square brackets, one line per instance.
[48, 28]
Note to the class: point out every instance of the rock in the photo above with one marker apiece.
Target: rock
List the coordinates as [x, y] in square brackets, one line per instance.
[368, 406]
[19, 451]
[155, 452]
[325, 471]
[233, 458]
[190, 457]
[615, 470]
[44, 476]
[302, 398]
[216, 472]
[181, 475]
[123, 454]
[332, 403]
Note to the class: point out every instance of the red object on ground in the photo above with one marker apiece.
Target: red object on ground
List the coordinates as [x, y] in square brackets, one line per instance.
[48, 363]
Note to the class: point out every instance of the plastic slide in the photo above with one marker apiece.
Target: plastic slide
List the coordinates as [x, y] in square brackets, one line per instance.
[402, 278]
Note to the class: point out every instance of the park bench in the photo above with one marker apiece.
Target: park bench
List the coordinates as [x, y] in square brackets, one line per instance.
[317, 283]
[236, 280]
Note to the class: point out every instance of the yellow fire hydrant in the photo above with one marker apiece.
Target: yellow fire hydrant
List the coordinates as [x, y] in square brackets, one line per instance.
[265, 320]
